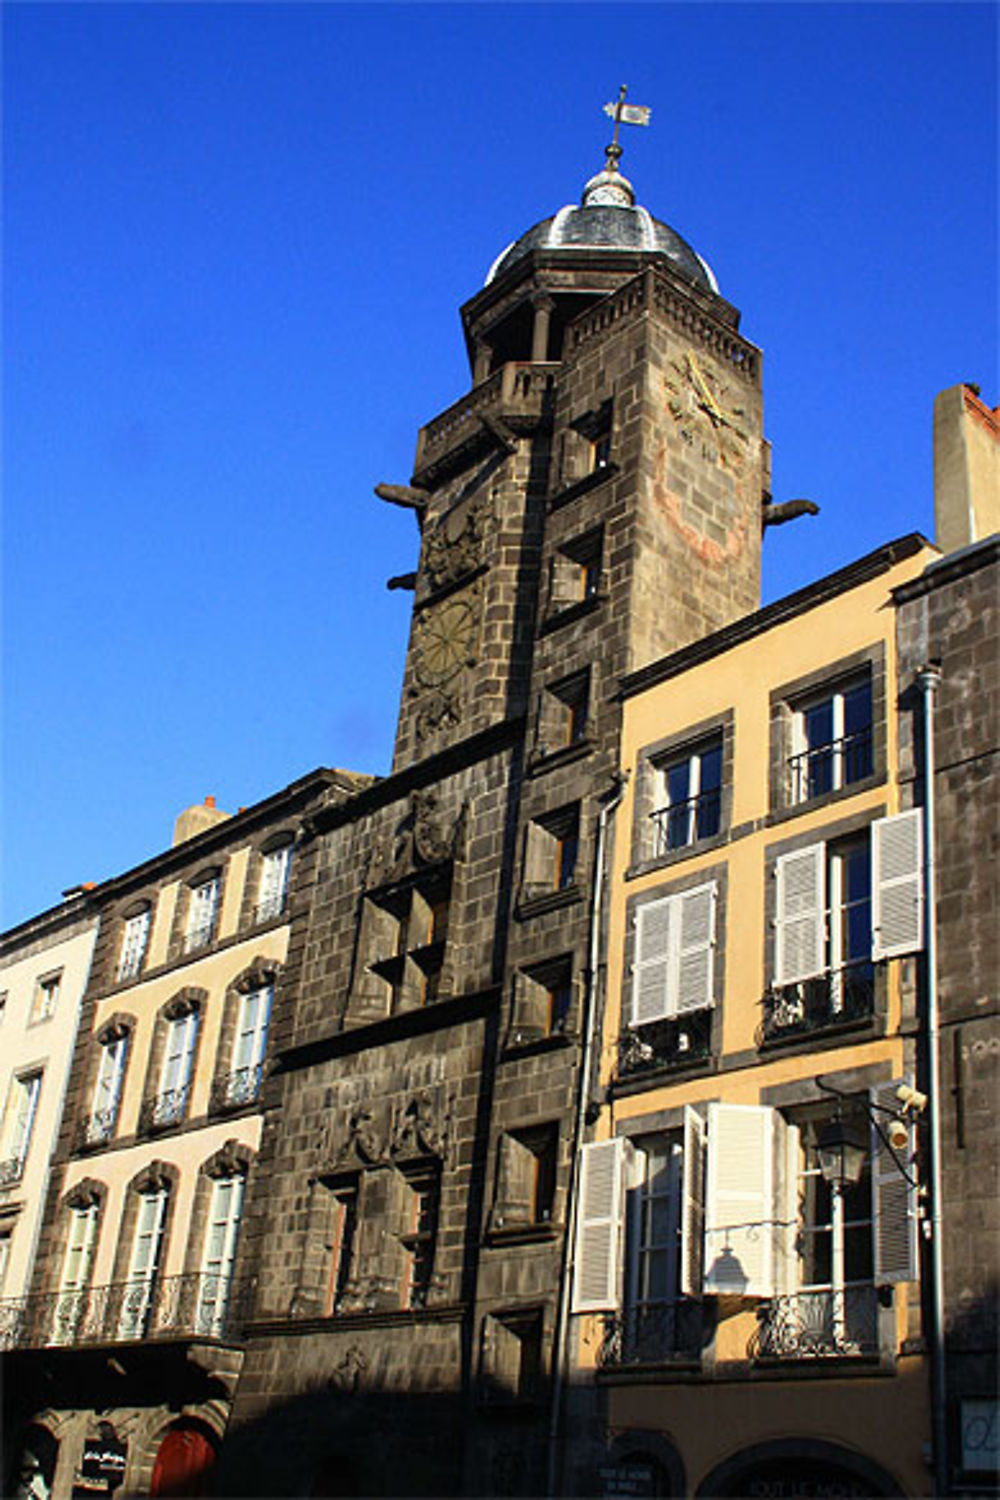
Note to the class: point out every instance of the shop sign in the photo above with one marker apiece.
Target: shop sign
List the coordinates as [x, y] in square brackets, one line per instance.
[980, 1436]
[627, 1479]
[104, 1462]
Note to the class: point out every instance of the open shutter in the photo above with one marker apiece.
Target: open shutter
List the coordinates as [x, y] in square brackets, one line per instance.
[739, 1201]
[693, 1204]
[599, 1227]
[564, 582]
[538, 873]
[800, 937]
[897, 885]
[894, 1200]
[695, 945]
[512, 1203]
[787, 1149]
[651, 1000]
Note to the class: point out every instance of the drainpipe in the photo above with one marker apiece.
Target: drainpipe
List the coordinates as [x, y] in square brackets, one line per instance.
[560, 1342]
[929, 678]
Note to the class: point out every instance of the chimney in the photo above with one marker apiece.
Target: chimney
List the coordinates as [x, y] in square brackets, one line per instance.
[194, 820]
[966, 468]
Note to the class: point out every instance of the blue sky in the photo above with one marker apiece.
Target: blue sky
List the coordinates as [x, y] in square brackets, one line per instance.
[237, 237]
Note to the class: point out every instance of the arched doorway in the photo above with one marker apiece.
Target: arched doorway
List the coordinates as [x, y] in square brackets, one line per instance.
[34, 1466]
[799, 1467]
[184, 1462]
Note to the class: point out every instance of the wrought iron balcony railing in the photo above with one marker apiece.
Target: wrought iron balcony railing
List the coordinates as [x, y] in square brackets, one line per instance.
[199, 1305]
[199, 936]
[818, 1325]
[11, 1170]
[674, 1043]
[242, 1086]
[834, 999]
[683, 823]
[653, 1334]
[826, 768]
[160, 1111]
[97, 1129]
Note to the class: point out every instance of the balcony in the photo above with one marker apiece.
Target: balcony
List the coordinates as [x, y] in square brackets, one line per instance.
[242, 1086]
[199, 936]
[521, 395]
[675, 1043]
[659, 1333]
[827, 768]
[97, 1129]
[686, 822]
[269, 908]
[818, 1325]
[162, 1111]
[199, 1305]
[840, 998]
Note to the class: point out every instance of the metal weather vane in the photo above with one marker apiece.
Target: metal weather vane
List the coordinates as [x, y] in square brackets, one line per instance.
[624, 114]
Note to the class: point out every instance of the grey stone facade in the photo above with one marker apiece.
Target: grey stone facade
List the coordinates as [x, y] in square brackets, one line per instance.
[950, 617]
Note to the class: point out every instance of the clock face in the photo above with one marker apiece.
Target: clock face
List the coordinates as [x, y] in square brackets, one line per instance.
[700, 404]
[446, 642]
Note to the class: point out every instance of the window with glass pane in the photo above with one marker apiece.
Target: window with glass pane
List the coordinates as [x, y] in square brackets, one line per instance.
[224, 1216]
[175, 1075]
[834, 1243]
[75, 1281]
[418, 1241]
[107, 1090]
[652, 1287]
[343, 1233]
[251, 1043]
[139, 1292]
[204, 903]
[135, 937]
[850, 920]
[275, 869]
[689, 798]
[46, 998]
[833, 736]
[22, 1107]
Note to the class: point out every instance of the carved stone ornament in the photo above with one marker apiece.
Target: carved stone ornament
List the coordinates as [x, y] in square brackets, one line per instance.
[231, 1160]
[699, 402]
[455, 545]
[443, 710]
[376, 1136]
[347, 1376]
[423, 1126]
[366, 1142]
[421, 837]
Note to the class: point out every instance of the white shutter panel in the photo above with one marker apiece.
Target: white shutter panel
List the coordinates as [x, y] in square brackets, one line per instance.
[651, 999]
[695, 944]
[693, 1204]
[800, 946]
[894, 1200]
[739, 1198]
[787, 1149]
[897, 885]
[598, 1226]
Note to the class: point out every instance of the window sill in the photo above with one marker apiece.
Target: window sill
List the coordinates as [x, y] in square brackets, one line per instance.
[565, 755]
[676, 856]
[826, 799]
[536, 906]
[523, 1234]
[570, 612]
[400, 1317]
[654, 1077]
[583, 486]
[823, 1037]
[522, 1044]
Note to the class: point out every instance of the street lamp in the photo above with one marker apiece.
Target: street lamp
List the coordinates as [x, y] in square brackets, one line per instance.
[841, 1149]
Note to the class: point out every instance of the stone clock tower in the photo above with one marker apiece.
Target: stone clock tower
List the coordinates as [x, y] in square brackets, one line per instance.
[614, 408]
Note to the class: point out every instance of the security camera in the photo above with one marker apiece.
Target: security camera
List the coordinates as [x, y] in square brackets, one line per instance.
[911, 1098]
[899, 1136]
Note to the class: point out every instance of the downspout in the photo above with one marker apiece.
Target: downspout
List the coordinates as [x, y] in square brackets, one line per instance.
[560, 1343]
[929, 678]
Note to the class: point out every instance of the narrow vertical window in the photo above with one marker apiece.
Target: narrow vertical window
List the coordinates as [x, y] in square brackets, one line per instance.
[275, 869]
[243, 1083]
[225, 1212]
[107, 1091]
[74, 1284]
[135, 939]
[46, 998]
[169, 1104]
[418, 1240]
[204, 902]
[21, 1109]
[139, 1292]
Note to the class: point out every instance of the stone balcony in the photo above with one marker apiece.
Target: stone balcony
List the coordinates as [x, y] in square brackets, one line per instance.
[521, 395]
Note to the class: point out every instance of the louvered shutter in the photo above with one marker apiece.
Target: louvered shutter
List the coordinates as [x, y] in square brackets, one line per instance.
[599, 1227]
[693, 1204]
[651, 999]
[800, 937]
[894, 1200]
[897, 885]
[695, 942]
[739, 1201]
[787, 1148]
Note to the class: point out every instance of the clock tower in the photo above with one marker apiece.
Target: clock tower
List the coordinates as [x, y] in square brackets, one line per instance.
[596, 497]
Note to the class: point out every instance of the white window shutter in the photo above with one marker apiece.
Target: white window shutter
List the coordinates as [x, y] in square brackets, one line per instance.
[693, 1204]
[800, 937]
[897, 885]
[894, 1200]
[787, 1149]
[695, 945]
[739, 1201]
[599, 1227]
[651, 998]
